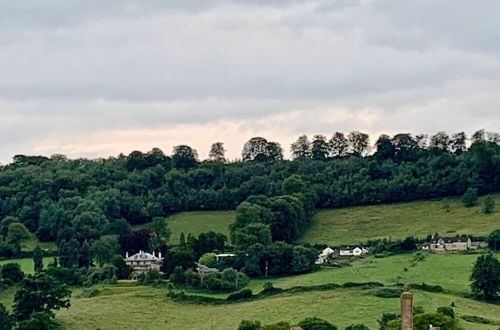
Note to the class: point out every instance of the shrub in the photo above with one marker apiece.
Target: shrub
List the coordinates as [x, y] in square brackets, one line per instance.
[208, 259]
[469, 198]
[389, 292]
[228, 280]
[6, 320]
[494, 240]
[11, 273]
[385, 319]
[151, 277]
[39, 321]
[448, 311]
[476, 319]
[489, 205]
[418, 310]
[249, 325]
[423, 321]
[314, 323]
[243, 294]
[97, 275]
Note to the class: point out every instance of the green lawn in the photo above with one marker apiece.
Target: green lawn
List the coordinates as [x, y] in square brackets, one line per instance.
[356, 224]
[27, 263]
[197, 222]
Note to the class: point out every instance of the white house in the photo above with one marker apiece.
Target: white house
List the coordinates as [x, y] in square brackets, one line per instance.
[224, 255]
[143, 262]
[324, 255]
[352, 250]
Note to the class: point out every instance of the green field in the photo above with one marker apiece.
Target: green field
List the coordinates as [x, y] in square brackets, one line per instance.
[352, 225]
[197, 222]
[26, 263]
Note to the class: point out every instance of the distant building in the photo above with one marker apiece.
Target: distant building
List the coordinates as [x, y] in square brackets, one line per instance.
[325, 255]
[449, 244]
[224, 256]
[204, 270]
[143, 262]
[354, 250]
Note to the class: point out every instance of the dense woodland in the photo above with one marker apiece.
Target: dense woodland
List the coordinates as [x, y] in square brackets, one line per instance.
[55, 196]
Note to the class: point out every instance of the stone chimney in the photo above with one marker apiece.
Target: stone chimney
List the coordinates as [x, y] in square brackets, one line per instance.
[153, 253]
[406, 309]
[159, 254]
[126, 254]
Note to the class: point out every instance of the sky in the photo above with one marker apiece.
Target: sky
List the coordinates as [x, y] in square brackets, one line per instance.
[95, 78]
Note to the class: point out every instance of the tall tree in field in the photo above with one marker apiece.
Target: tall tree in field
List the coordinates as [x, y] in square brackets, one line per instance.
[358, 143]
[301, 148]
[37, 259]
[485, 277]
[440, 141]
[40, 293]
[320, 148]
[184, 157]
[160, 233]
[339, 146]
[478, 135]
[458, 143]
[217, 153]
[404, 146]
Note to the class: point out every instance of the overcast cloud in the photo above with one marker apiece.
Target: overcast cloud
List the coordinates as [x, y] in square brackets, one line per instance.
[98, 78]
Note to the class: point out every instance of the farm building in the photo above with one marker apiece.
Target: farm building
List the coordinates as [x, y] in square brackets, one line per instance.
[449, 244]
[325, 255]
[354, 250]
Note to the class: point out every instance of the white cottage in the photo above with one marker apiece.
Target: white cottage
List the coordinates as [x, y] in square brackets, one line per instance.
[347, 250]
[324, 255]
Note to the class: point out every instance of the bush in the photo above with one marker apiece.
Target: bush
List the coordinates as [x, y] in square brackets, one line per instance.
[208, 259]
[388, 292]
[489, 205]
[385, 319]
[151, 277]
[228, 280]
[494, 240]
[476, 319]
[6, 320]
[423, 321]
[427, 287]
[448, 311]
[314, 323]
[11, 273]
[249, 325]
[39, 321]
[98, 275]
[243, 294]
[469, 198]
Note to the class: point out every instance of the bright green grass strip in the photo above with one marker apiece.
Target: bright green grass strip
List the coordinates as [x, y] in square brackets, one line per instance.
[27, 263]
[352, 225]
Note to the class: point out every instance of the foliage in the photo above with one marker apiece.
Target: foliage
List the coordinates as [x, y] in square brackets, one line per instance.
[423, 321]
[160, 234]
[475, 319]
[446, 310]
[107, 274]
[314, 323]
[208, 259]
[40, 293]
[385, 319]
[388, 292]
[6, 320]
[177, 257]
[494, 240]
[277, 326]
[469, 198]
[243, 294]
[485, 277]
[38, 259]
[249, 325]
[208, 242]
[489, 204]
[11, 273]
[39, 321]
[227, 280]
[151, 277]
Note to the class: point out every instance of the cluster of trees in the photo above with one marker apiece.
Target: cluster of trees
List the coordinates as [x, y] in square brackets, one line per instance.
[443, 318]
[57, 198]
[38, 295]
[310, 323]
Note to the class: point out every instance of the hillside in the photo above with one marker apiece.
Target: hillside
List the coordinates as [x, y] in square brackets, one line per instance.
[420, 218]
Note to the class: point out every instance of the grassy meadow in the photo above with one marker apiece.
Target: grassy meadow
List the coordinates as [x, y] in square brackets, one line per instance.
[26, 263]
[352, 225]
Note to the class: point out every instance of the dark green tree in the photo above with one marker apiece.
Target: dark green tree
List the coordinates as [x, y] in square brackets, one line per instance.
[469, 198]
[160, 233]
[11, 272]
[184, 157]
[39, 321]
[357, 327]
[6, 320]
[339, 146]
[485, 277]
[494, 240]
[358, 143]
[446, 310]
[40, 293]
[301, 149]
[489, 204]
[314, 323]
[458, 142]
[38, 259]
[320, 148]
[249, 325]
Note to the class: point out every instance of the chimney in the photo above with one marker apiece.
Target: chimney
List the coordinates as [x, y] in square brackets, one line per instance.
[159, 254]
[126, 254]
[406, 309]
[153, 253]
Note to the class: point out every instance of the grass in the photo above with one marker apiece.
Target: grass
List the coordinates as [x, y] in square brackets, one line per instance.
[26, 263]
[352, 225]
[148, 308]
[30, 244]
[197, 222]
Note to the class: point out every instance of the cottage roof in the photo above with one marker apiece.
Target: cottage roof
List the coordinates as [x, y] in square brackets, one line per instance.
[327, 251]
[454, 239]
[143, 256]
